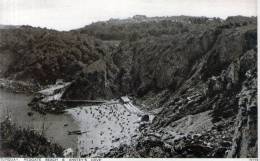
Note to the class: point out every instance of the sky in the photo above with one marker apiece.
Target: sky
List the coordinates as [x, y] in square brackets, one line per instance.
[72, 14]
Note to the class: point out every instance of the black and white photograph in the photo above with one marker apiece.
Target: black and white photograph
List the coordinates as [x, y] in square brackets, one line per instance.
[128, 79]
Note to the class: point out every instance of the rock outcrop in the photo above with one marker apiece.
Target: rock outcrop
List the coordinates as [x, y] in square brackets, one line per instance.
[221, 79]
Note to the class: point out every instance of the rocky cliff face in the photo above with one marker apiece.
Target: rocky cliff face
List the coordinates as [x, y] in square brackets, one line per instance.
[197, 76]
[245, 136]
[211, 79]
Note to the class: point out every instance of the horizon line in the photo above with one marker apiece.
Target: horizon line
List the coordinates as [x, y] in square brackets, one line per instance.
[124, 18]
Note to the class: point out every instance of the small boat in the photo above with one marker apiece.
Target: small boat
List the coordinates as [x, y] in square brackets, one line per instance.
[76, 132]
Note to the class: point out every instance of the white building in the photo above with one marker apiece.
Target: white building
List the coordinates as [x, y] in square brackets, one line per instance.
[124, 99]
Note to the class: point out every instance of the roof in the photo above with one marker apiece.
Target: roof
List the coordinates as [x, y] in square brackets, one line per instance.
[125, 99]
[51, 90]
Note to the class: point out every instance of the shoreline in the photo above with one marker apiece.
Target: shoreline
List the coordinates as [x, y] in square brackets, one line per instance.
[16, 106]
[64, 125]
[18, 86]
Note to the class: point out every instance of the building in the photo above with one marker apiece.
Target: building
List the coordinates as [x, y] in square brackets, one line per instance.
[124, 99]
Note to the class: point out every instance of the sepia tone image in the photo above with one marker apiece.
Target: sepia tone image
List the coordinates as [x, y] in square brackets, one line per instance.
[128, 79]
